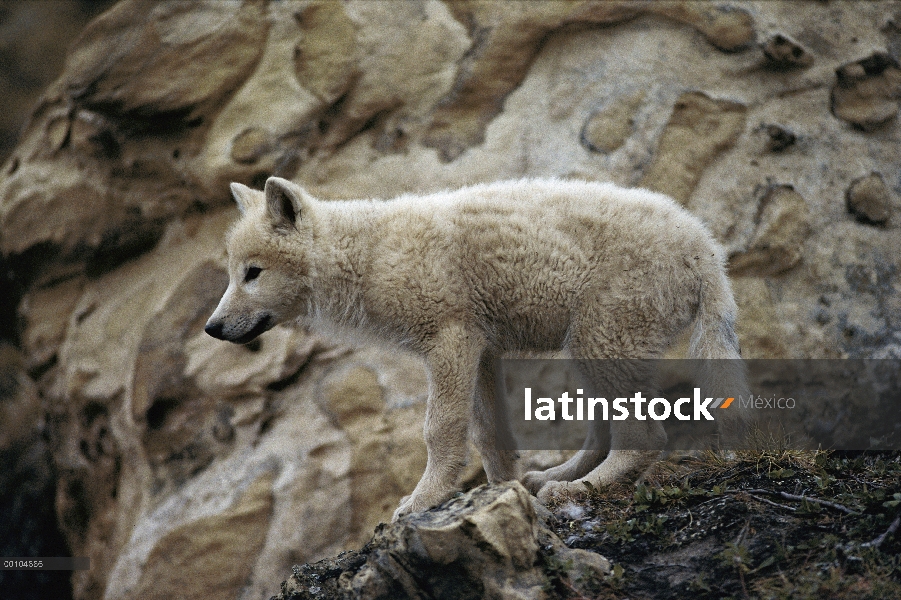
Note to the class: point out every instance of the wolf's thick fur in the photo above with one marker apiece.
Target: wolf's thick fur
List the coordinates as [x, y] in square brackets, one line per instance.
[464, 276]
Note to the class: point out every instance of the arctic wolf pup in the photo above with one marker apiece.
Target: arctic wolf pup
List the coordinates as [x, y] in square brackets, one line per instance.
[462, 277]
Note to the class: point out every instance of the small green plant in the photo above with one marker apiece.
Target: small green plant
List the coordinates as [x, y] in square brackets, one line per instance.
[617, 577]
[699, 584]
[737, 556]
[621, 530]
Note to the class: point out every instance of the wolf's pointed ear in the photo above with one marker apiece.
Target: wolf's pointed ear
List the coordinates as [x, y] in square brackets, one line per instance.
[243, 195]
[286, 202]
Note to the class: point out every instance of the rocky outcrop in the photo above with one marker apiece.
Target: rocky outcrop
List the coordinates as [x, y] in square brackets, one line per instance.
[488, 543]
[759, 117]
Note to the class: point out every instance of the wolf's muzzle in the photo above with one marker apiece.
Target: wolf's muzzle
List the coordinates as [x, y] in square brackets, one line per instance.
[217, 330]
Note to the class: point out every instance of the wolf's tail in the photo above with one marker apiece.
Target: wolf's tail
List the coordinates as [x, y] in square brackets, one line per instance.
[715, 352]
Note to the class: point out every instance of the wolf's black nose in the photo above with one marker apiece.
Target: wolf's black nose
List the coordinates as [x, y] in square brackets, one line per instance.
[215, 330]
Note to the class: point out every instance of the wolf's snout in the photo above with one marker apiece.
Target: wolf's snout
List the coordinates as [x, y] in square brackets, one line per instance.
[239, 331]
[215, 330]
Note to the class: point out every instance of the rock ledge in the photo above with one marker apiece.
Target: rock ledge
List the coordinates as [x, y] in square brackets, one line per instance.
[487, 543]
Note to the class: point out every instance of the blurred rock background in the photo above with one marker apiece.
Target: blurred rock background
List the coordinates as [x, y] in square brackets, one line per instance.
[34, 37]
[185, 466]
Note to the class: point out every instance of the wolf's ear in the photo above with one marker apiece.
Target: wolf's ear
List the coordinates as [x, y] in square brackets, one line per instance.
[286, 202]
[244, 196]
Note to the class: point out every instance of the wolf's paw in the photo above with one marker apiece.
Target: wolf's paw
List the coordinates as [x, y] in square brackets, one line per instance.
[404, 508]
[558, 490]
[535, 480]
[420, 501]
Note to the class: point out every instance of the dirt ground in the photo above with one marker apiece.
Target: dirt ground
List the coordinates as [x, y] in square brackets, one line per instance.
[771, 525]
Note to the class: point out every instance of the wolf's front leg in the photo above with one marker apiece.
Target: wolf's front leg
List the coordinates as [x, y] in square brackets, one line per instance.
[452, 359]
[491, 428]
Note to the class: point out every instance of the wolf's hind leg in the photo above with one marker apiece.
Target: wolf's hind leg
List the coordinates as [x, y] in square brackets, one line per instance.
[613, 342]
[593, 450]
[635, 445]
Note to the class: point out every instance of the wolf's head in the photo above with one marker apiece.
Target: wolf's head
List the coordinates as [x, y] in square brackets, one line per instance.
[268, 261]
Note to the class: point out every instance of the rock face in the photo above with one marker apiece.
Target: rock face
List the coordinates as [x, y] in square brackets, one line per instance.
[33, 41]
[171, 447]
[27, 483]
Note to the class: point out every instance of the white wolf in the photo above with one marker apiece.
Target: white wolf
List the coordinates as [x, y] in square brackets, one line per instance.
[463, 276]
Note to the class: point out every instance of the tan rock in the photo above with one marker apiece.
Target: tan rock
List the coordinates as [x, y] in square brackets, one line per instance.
[243, 371]
[222, 547]
[502, 524]
[869, 199]
[126, 64]
[30, 215]
[866, 92]
[119, 92]
[506, 38]
[325, 58]
[250, 145]
[699, 129]
[783, 224]
[47, 312]
[729, 28]
[154, 412]
[779, 138]
[422, 64]
[607, 129]
[27, 479]
[160, 358]
[759, 327]
[379, 473]
[783, 53]
[20, 407]
[34, 60]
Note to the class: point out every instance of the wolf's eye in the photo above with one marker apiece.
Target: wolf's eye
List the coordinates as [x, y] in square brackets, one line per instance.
[252, 273]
